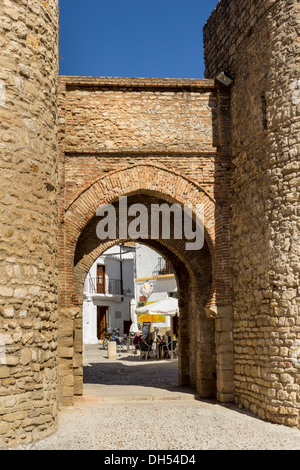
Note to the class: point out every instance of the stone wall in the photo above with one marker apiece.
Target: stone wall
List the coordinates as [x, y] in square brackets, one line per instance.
[257, 42]
[141, 117]
[28, 226]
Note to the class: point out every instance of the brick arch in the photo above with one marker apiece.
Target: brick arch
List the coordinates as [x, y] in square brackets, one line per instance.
[149, 179]
[141, 177]
[193, 282]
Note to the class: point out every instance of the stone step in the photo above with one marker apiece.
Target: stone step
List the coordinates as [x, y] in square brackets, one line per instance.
[111, 393]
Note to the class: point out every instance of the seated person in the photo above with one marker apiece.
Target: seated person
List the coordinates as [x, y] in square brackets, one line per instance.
[167, 345]
[137, 339]
[162, 346]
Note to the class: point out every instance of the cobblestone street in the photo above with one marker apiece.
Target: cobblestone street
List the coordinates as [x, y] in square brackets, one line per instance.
[130, 404]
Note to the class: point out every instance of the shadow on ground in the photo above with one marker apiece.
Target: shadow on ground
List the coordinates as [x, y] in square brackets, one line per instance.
[129, 370]
[128, 376]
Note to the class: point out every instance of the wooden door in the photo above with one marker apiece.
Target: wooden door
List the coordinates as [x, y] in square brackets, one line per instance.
[101, 321]
[126, 326]
[100, 279]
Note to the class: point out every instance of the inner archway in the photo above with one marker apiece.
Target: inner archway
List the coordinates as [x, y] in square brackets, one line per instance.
[145, 278]
[193, 271]
[197, 358]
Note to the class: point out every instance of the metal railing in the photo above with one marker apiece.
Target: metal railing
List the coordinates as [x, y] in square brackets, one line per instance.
[110, 287]
[163, 267]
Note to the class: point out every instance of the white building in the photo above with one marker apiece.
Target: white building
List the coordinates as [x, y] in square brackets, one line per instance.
[108, 290]
[116, 278]
[152, 268]
[155, 274]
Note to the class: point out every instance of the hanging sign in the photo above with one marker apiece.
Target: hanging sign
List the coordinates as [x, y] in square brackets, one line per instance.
[146, 317]
[147, 289]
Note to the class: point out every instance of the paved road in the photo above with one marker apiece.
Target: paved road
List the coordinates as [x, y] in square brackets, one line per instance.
[130, 404]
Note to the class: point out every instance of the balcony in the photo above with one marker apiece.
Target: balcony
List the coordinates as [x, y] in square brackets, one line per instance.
[162, 268]
[109, 287]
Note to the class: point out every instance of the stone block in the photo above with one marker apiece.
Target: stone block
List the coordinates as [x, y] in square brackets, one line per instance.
[225, 387]
[65, 352]
[14, 417]
[4, 372]
[26, 356]
[4, 428]
[67, 391]
[225, 359]
[225, 397]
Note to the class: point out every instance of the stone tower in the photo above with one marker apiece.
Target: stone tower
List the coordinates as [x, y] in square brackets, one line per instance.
[28, 205]
[257, 43]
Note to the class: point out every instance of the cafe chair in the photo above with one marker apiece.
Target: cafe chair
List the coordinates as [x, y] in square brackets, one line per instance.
[168, 348]
[145, 350]
[121, 344]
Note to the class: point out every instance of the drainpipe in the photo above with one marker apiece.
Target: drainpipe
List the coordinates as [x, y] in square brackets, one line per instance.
[121, 271]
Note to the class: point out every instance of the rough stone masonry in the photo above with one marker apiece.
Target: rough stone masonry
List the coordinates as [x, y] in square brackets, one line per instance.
[258, 43]
[70, 144]
[29, 225]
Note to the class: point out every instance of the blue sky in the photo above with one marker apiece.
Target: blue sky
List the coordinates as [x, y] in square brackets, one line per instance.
[133, 38]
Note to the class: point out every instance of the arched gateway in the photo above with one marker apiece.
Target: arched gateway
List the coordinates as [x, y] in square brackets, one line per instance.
[169, 174]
